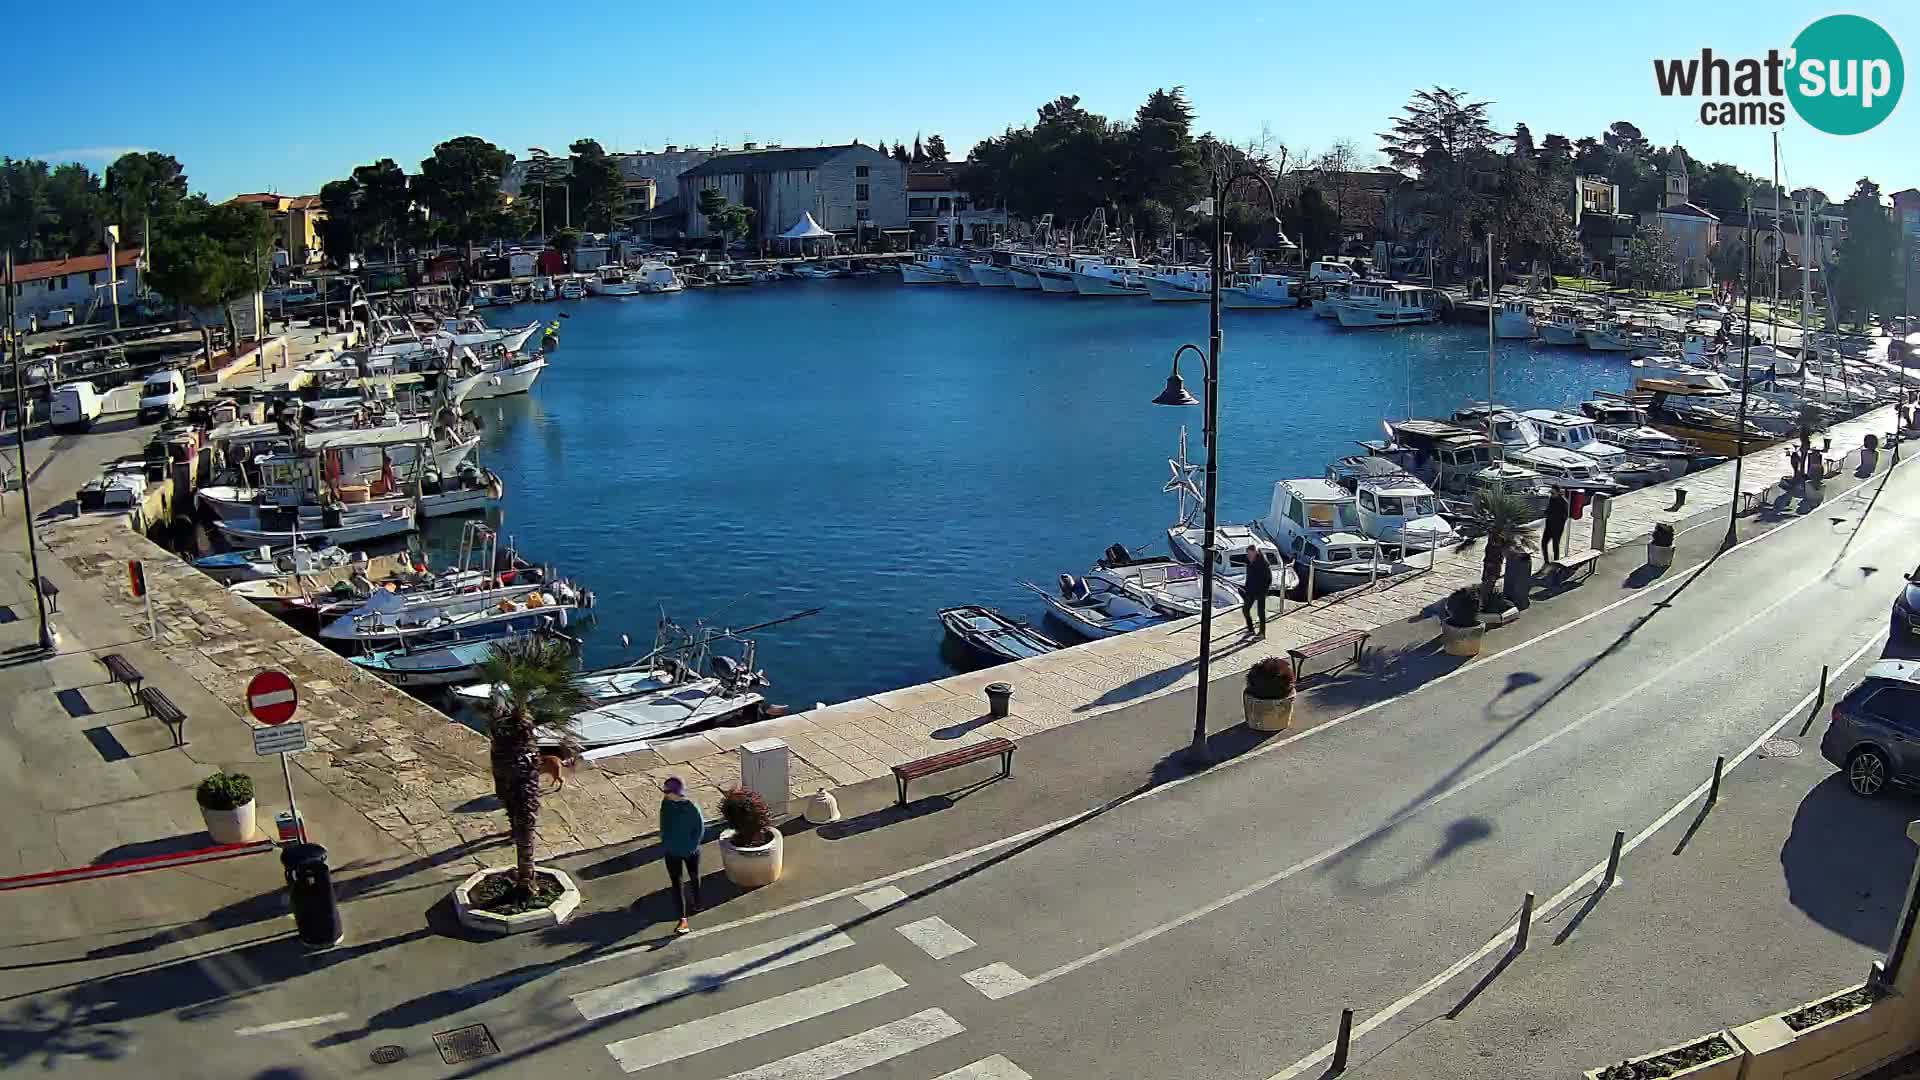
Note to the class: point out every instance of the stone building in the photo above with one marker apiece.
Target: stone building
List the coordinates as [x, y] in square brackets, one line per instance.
[1694, 230]
[848, 189]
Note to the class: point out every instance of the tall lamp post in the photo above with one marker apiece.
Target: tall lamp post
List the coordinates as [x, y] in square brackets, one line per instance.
[15, 353]
[1176, 394]
[1746, 378]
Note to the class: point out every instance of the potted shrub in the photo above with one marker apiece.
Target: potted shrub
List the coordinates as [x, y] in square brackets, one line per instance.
[750, 847]
[226, 805]
[1502, 520]
[1269, 696]
[1460, 630]
[1660, 547]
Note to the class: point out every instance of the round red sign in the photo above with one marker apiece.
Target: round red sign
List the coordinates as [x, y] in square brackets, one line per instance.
[271, 697]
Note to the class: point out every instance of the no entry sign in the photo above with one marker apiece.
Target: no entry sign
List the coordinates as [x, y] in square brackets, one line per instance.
[271, 697]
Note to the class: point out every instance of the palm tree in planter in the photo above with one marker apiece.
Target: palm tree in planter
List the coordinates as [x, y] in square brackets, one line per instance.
[1504, 522]
[533, 688]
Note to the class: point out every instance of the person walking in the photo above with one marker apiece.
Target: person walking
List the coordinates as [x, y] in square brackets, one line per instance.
[682, 828]
[1259, 581]
[1556, 526]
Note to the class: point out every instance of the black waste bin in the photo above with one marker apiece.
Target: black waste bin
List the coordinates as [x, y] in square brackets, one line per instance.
[310, 889]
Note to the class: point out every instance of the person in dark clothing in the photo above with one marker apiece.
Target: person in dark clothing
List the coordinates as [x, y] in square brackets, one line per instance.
[681, 830]
[1259, 581]
[1556, 526]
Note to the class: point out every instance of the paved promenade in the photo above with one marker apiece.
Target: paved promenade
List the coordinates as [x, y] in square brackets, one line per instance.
[424, 780]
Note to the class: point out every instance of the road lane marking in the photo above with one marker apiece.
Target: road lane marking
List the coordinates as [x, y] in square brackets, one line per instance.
[638, 993]
[997, 981]
[883, 897]
[988, 1068]
[747, 1021]
[856, 1052]
[1427, 803]
[1274, 746]
[936, 937]
[1560, 898]
[291, 1025]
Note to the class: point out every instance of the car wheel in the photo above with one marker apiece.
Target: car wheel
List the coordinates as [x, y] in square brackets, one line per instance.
[1867, 773]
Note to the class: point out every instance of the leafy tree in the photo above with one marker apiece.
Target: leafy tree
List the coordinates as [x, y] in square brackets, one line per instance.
[210, 255]
[143, 187]
[384, 203]
[1158, 157]
[1865, 266]
[460, 183]
[534, 689]
[936, 150]
[24, 208]
[340, 232]
[565, 241]
[1522, 141]
[900, 152]
[1336, 173]
[725, 220]
[919, 154]
[1723, 187]
[76, 212]
[1448, 141]
[598, 193]
[1313, 221]
[1729, 257]
[1652, 262]
[546, 180]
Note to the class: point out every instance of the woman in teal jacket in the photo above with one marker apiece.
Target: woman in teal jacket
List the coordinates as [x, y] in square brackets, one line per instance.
[681, 831]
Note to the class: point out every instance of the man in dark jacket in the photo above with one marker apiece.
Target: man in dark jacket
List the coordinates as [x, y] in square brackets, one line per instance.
[1259, 580]
[1556, 525]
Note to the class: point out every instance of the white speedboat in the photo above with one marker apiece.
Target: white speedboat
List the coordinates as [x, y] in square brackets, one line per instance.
[1373, 304]
[1188, 542]
[473, 333]
[1316, 524]
[612, 280]
[336, 527]
[935, 268]
[1163, 584]
[1576, 433]
[1255, 291]
[1514, 320]
[1119, 277]
[513, 375]
[1181, 283]
[388, 618]
[573, 289]
[654, 276]
[1097, 609]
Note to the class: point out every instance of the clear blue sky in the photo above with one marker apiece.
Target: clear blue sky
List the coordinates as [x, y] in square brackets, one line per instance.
[252, 97]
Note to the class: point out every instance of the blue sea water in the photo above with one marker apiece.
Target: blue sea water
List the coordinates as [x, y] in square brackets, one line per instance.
[882, 451]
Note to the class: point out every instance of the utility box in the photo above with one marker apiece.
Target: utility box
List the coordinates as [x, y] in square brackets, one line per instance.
[1602, 509]
[763, 769]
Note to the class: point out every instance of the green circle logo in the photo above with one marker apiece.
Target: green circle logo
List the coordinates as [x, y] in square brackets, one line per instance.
[1846, 74]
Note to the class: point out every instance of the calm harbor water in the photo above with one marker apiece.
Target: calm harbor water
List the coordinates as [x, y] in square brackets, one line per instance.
[882, 451]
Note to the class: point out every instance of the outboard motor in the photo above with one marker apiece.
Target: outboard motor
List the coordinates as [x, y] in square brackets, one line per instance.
[1069, 586]
[725, 668]
[1118, 555]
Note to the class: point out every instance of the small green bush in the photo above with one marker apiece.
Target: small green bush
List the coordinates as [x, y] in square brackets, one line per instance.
[747, 815]
[1271, 679]
[225, 791]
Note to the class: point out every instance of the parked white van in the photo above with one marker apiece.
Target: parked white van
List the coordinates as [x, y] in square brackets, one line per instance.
[1334, 269]
[75, 406]
[163, 394]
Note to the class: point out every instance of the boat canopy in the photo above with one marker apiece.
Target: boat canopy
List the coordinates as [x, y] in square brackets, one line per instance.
[806, 229]
[391, 434]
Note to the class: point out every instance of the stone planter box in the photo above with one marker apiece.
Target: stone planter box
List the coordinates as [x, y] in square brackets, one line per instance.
[1722, 1068]
[1461, 640]
[554, 914]
[752, 867]
[235, 826]
[1843, 1045]
[1268, 714]
[1659, 556]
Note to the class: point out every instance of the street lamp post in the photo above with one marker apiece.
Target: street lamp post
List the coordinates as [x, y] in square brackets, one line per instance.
[1176, 394]
[49, 636]
[1740, 420]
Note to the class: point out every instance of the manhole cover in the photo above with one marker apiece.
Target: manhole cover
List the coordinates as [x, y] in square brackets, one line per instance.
[465, 1044]
[1780, 748]
[387, 1055]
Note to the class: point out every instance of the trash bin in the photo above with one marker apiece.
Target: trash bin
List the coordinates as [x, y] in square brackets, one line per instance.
[316, 914]
[999, 699]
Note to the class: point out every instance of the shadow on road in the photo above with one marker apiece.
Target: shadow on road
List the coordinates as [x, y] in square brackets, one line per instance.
[1847, 859]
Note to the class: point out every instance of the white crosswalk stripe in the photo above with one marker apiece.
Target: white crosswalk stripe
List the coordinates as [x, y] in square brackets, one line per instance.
[936, 937]
[748, 1021]
[883, 897]
[991, 1068]
[638, 993]
[856, 1052]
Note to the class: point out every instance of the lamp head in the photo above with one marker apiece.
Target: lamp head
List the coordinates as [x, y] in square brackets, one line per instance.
[1176, 391]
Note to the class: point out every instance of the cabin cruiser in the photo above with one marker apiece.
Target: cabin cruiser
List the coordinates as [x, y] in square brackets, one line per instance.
[653, 276]
[1520, 442]
[1181, 283]
[1316, 524]
[1568, 431]
[1459, 463]
[1514, 320]
[1113, 277]
[1056, 274]
[572, 288]
[612, 280]
[1615, 336]
[1395, 507]
[1252, 291]
[1188, 541]
[1381, 303]
[1563, 327]
[1703, 414]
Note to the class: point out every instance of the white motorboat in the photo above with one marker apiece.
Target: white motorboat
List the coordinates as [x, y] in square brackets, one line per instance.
[935, 268]
[512, 375]
[234, 567]
[388, 618]
[1521, 443]
[1116, 277]
[1394, 506]
[654, 276]
[473, 333]
[471, 489]
[1230, 544]
[1563, 327]
[1576, 433]
[612, 280]
[1373, 304]
[336, 527]
[1316, 524]
[1056, 274]
[1181, 283]
[1614, 336]
[1255, 291]
[1097, 609]
[1514, 320]
[572, 288]
[991, 274]
[479, 296]
[1162, 583]
[1326, 299]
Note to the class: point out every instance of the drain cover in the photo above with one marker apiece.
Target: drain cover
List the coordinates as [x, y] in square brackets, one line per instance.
[387, 1055]
[1780, 748]
[465, 1044]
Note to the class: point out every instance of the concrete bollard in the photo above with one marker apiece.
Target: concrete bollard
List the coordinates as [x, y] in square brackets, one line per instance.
[1613, 860]
[1818, 702]
[1713, 793]
[1526, 924]
[1343, 1042]
[1309, 581]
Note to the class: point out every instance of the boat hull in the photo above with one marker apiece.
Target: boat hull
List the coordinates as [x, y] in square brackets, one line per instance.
[1242, 300]
[994, 637]
[1094, 285]
[1512, 329]
[1023, 279]
[1170, 293]
[1365, 318]
[1560, 335]
[514, 380]
[628, 289]
[991, 276]
[921, 274]
[1056, 281]
[246, 533]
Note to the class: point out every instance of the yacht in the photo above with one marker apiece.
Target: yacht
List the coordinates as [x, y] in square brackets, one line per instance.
[1514, 321]
[1569, 431]
[1316, 524]
[1180, 283]
[611, 280]
[1380, 303]
[1114, 277]
[1253, 291]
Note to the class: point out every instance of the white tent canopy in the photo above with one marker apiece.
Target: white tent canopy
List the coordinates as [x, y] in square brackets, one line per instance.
[806, 229]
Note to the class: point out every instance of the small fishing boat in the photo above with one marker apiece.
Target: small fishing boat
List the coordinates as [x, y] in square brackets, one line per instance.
[994, 636]
[1096, 609]
[390, 618]
[1255, 291]
[1161, 582]
[412, 668]
[336, 528]
[232, 567]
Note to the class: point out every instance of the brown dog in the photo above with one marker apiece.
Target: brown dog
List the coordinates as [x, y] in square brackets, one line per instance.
[556, 765]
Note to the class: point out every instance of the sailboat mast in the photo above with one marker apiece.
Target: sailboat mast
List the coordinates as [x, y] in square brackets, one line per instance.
[1489, 329]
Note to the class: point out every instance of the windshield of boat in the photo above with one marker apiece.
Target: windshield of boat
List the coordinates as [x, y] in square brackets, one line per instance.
[1332, 515]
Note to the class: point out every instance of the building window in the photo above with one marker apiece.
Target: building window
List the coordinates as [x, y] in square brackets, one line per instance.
[862, 171]
[863, 214]
[920, 207]
[860, 193]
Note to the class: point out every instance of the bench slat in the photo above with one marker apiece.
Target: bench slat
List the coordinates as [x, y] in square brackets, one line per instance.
[1329, 644]
[963, 755]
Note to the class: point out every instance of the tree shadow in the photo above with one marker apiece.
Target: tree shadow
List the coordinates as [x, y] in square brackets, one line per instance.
[55, 1033]
[1385, 672]
[1840, 865]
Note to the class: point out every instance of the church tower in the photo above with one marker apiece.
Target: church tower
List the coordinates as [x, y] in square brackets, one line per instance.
[1677, 177]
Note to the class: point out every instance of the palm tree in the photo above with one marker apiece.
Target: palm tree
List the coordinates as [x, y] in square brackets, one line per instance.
[1504, 520]
[533, 681]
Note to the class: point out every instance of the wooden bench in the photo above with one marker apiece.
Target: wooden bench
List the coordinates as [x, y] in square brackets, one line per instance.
[1333, 643]
[120, 670]
[965, 755]
[1750, 500]
[161, 707]
[52, 592]
[1572, 568]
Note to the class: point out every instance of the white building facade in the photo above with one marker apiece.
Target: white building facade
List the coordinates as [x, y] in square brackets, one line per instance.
[852, 189]
[41, 288]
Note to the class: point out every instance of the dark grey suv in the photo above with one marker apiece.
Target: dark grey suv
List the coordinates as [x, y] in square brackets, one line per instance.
[1875, 732]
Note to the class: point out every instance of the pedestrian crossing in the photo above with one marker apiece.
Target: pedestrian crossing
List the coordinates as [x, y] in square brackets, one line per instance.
[730, 1035]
